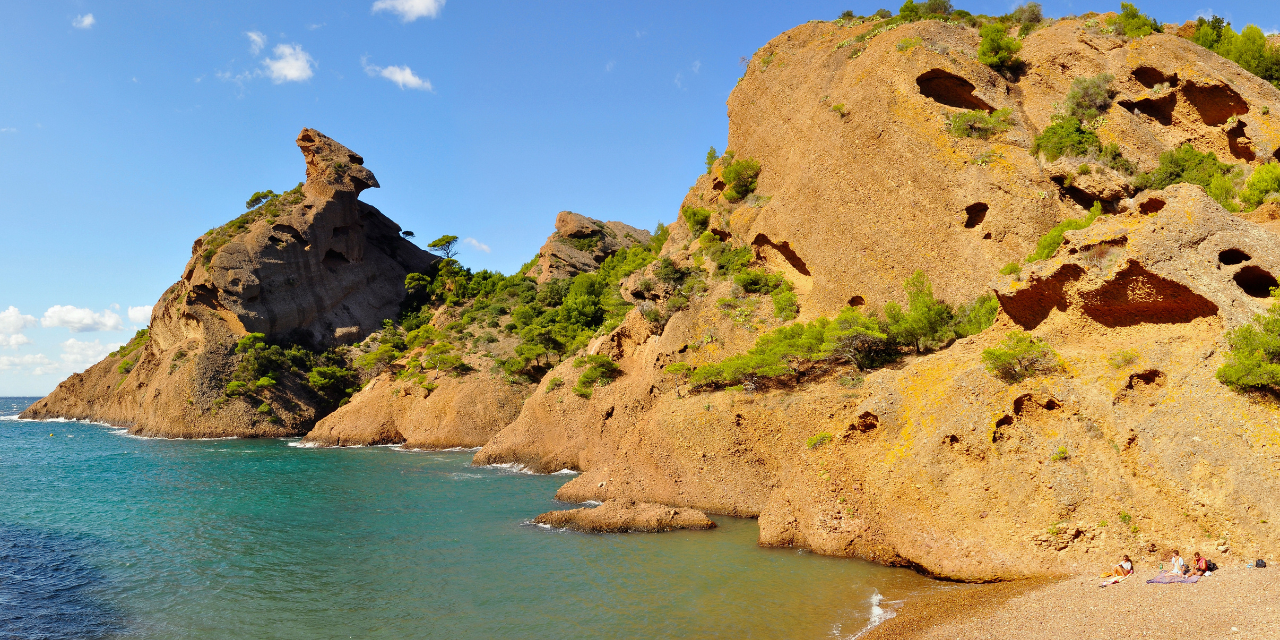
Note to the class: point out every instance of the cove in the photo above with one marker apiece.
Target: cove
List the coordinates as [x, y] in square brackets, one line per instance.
[103, 535]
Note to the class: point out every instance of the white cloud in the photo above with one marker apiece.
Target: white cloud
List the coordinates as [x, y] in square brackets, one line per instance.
[476, 244]
[410, 10]
[697, 64]
[8, 130]
[80, 355]
[140, 315]
[402, 76]
[13, 321]
[256, 41]
[291, 64]
[608, 68]
[83, 22]
[80, 320]
[38, 363]
[13, 341]
[313, 27]
[678, 83]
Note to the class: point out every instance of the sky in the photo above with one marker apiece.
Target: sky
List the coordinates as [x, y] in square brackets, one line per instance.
[129, 128]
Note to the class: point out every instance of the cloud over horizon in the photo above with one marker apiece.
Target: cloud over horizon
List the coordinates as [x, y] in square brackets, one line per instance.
[80, 320]
[476, 244]
[79, 355]
[12, 324]
[291, 64]
[85, 21]
[410, 10]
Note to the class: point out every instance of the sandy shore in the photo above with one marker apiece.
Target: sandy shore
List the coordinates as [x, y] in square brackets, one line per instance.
[1236, 602]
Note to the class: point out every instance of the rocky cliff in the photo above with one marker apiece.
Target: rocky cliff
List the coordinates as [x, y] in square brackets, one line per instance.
[313, 266]
[579, 244]
[1130, 446]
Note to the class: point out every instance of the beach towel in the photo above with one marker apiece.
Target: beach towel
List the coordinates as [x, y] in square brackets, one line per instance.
[1167, 578]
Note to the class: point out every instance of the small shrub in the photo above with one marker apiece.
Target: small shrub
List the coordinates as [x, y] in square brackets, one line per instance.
[1012, 269]
[263, 383]
[679, 369]
[1131, 23]
[907, 44]
[998, 50]
[818, 440]
[1125, 517]
[235, 388]
[839, 109]
[1060, 455]
[1089, 97]
[1122, 359]
[1049, 242]
[1020, 356]
[600, 369]
[740, 178]
[712, 156]
[264, 408]
[697, 218]
[979, 124]
[1264, 181]
[1186, 164]
[1253, 363]
[125, 366]
[1065, 137]
[554, 383]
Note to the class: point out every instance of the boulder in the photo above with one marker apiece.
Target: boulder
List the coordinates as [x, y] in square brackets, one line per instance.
[580, 244]
[626, 516]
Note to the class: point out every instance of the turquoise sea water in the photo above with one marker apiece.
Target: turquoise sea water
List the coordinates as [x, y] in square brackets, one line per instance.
[103, 535]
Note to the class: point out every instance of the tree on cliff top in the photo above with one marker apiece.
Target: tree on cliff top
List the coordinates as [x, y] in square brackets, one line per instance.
[444, 246]
[1254, 360]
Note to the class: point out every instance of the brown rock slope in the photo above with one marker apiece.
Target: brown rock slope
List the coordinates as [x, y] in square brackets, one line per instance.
[580, 244]
[314, 266]
[937, 464]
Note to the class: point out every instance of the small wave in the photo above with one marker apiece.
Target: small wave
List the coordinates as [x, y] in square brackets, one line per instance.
[878, 614]
[591, 503]
[516, 467]
[299, 444]
[566, 472]
[466, 475]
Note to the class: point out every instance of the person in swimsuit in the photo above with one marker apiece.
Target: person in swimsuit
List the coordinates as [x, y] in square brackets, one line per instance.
[1199, 565]
[1176, 564]
[1124, 568]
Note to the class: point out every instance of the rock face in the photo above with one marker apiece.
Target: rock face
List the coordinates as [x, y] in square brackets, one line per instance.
[1131, 446]
[626, 516]
[315, 266]
[460, 411]
[580, 244]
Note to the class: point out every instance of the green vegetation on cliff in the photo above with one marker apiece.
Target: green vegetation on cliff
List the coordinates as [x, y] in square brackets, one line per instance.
[263, 204]
[1019, 357]
[1249, 48]
[1253, 364]
[865, 341]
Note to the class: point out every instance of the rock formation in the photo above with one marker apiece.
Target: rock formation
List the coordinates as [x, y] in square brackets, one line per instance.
[626, 516]
[580, 244]
[1132, 446]
[313, 266]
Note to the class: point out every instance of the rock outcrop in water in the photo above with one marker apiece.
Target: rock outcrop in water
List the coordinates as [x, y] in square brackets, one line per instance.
[314, 266]
[626, 516]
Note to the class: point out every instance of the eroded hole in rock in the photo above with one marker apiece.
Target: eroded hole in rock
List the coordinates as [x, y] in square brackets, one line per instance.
[334, 259]
[341, 232]
[1239, 143]
[1031, 305]
[1151, 205]
[355, 158]
[1160, 109]
[986, 236]
[234, 283]
[857, 301]
[950, 89]
[865, 422]
[1052, 405]
[718, 185]
[1136, 296]
[291, 232]
[1150, 377]
[251, 300]
[1233, 256]
[952, 439]
[306, 137]
[1216, 103]
[1000, 432]
[1020, 403]
[975, 214]
[1150, 77]
[783, 248]
[722, 234]
[1255, 281]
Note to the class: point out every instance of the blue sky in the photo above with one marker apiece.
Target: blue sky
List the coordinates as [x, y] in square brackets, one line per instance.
[127, 129]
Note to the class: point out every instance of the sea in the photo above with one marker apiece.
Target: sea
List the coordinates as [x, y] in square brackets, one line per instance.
[106, 535]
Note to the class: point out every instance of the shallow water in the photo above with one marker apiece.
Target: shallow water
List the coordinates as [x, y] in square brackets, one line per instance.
[108, 536]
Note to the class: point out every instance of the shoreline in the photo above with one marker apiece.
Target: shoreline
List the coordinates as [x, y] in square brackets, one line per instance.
[1236, 601]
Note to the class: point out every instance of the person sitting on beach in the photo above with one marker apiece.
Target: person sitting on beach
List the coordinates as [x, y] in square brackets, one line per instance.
[1199, 565]
[1123, 569]
[1176, 564]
